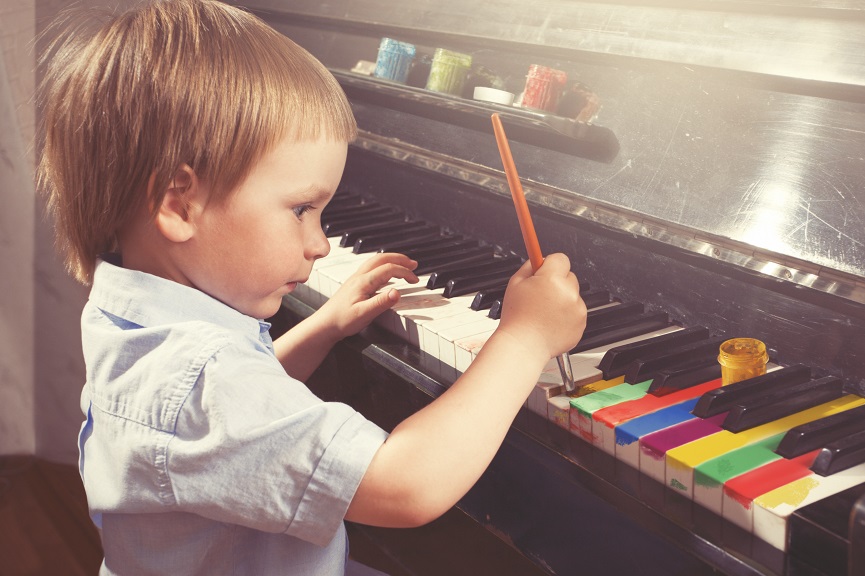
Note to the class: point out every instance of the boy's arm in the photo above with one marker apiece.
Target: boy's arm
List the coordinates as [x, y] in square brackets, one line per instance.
[435, 456]
[356, 304]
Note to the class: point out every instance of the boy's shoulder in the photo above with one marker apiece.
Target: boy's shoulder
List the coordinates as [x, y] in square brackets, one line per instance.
[147, 341]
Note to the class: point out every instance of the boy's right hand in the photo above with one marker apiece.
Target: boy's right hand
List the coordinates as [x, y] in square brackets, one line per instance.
[544, 309]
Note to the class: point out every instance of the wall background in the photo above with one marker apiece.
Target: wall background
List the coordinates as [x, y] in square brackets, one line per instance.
[41, 369]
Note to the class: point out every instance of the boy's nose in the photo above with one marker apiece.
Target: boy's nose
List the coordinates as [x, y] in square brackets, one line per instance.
[317, 246]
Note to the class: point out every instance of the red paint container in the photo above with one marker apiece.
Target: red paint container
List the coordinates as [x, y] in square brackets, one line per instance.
[544, 87]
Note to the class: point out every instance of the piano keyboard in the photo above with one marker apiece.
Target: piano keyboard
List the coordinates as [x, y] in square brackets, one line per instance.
[649, 391]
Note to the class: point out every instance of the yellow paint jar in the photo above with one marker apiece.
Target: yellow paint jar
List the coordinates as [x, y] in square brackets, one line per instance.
[742, 358]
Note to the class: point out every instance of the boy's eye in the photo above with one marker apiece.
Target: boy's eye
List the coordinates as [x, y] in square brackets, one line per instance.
[299, 211]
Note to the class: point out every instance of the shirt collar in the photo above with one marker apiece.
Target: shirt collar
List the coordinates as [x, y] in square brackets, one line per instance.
[150, 301]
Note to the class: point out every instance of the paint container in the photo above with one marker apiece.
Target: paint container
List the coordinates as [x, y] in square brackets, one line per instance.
[448, 71]
[544, 87]
[394, 60]
[741, 359]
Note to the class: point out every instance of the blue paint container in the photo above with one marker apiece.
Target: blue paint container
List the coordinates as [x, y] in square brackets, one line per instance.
[394, 60]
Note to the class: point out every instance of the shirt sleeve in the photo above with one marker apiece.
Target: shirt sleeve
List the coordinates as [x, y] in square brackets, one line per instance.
[255, 447]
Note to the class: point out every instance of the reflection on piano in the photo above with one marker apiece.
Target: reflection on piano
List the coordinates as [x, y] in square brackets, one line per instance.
[718, 194]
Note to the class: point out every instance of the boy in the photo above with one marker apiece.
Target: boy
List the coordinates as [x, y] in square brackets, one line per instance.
[189, 151]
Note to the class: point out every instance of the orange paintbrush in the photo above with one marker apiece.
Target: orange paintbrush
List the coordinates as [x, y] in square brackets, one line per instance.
[527, 227]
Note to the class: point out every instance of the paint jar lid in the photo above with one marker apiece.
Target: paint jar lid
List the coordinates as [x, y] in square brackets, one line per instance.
[391, 45]
[493, 95]
[452, 58]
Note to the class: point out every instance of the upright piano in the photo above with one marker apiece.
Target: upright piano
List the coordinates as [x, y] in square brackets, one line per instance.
[706, 173]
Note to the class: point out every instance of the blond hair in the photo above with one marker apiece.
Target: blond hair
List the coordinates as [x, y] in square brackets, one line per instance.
[168, 83]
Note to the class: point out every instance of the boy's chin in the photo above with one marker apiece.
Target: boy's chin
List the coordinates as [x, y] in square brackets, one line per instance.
[262, 310]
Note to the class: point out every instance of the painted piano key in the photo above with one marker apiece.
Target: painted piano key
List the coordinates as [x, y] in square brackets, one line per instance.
[584, 368]
[682, 460]
[607, 419]
[772, 509]
[588, 377]
[654, 446]
[584, 407]
[629, 433]
[711, 475]
[739, 493]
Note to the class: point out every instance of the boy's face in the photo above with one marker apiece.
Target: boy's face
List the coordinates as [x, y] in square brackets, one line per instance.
[253, 248]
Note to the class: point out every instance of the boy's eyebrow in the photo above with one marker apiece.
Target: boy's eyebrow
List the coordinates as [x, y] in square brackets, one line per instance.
[314, 193]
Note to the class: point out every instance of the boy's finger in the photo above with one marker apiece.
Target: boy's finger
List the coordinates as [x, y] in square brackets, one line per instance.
[387, 258]
[381, 275]
[524, 272]
[555, 265]
[378, 303]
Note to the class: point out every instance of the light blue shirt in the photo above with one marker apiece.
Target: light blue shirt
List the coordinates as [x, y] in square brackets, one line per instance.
[199, 454]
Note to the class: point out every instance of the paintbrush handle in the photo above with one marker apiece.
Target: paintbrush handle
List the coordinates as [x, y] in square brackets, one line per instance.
[530, 237]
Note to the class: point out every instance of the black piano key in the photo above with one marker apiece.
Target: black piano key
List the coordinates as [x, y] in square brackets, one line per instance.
[478, 254]
[643, 369]
[420, 254]
[442, 276]
[331, 212]
[605, 324]
[404, 246]
[777, 404]
[840, 455]
[345, 198]
[346, 228]
[821, 535]
[615, 361]
[359, 215]
[486, 298]
[724, 398]
[353, 235]
[373, 242]
[495, 310]
[856, 544]
[684, 376]
[597, 319]
[594, 298]
[813, 435]
[469, 284]
[628, 329]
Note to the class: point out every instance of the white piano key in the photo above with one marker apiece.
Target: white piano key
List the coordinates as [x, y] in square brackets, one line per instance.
[468, 348]
[417, 309]
[430, 330]
[448, 339]
[558, 411]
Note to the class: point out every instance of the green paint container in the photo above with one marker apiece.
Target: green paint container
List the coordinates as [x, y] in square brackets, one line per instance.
[448, 71]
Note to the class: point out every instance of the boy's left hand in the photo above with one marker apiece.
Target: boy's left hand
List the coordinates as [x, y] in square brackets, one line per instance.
[358, 302]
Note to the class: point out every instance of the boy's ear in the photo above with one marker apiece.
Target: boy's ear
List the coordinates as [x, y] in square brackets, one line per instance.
[183, 200]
